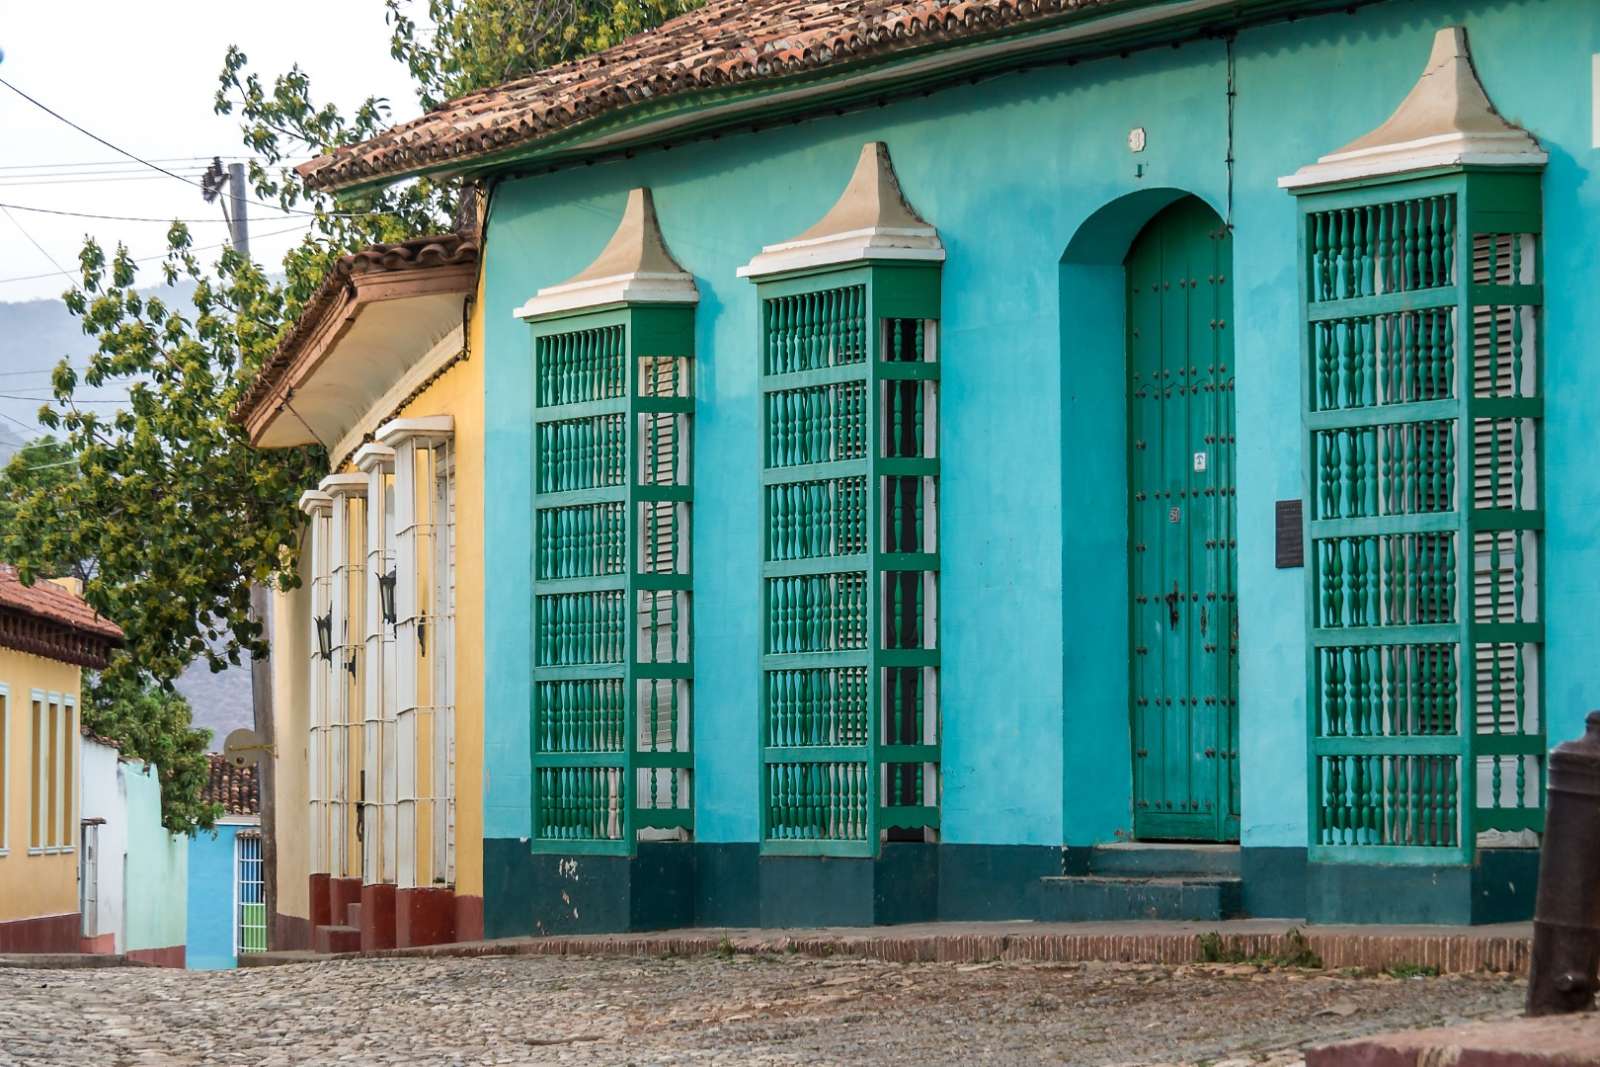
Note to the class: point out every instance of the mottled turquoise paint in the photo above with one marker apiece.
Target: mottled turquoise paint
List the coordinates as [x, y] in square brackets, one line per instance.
[156, 877]
[1016, 173]
[211, 900]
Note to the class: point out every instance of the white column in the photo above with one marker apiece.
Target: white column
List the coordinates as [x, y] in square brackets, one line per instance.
[318, 509]
[377, 750]
[424, 637]
[347, 558]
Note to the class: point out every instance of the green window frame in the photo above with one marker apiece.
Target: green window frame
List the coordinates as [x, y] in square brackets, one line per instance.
[1422, 298]
[612, 657]
[849, 673]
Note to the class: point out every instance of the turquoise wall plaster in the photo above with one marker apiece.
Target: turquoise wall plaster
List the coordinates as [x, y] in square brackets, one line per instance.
[157, 874]
[1034, 693]
[211, 899]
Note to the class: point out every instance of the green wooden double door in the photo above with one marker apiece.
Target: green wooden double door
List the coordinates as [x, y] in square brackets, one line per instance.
[1183, 539]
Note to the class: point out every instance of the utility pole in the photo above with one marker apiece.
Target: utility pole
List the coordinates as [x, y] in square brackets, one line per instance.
[238, 214]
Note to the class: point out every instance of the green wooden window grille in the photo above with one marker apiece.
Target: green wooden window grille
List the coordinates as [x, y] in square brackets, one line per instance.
[612, 664]
[1425, 507]
[850, 574]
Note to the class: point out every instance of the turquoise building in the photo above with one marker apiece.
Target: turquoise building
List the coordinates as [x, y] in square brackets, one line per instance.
[1054, 459]
[226, 902]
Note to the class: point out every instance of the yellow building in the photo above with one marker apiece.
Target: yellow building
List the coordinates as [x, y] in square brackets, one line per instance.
[47, 636]
[377, 663]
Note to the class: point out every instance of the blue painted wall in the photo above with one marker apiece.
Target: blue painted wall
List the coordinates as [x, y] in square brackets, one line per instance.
[1033, 523]
[211, 874]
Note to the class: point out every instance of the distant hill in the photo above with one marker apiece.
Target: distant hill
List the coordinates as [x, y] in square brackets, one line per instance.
[34, 336]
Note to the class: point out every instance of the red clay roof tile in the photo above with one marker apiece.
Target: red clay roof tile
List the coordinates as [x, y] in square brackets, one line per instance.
[235, 788]
[44, 600]
[725, 42]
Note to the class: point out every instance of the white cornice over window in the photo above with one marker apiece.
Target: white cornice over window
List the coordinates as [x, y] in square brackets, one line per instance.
[313, 501]
[397, 432]
[373, 456]
[344, 485]
[635, 267]
[871, 220]
[1445, 121]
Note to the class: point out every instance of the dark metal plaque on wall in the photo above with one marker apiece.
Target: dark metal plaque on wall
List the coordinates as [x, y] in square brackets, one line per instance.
[1290, 539]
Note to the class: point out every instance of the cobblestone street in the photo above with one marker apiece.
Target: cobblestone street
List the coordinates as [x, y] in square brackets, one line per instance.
[744, 1010]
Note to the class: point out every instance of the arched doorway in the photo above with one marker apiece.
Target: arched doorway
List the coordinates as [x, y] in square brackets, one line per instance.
[1183, 539]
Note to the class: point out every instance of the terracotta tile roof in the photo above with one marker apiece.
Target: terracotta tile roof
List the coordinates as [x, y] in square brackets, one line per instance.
[726, 43]
[235, 788]
[432, 250]
[52, 603]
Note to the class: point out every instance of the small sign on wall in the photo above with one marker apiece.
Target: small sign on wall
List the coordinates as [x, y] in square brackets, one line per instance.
[1289, 540]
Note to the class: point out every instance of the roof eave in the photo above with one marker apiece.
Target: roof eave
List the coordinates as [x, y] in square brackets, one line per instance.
[364, 294]
[1070, 36]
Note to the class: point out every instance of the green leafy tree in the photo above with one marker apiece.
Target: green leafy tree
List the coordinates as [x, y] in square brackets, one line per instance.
[178, 513]
[41, 469]
[153, 724]
[469, 44]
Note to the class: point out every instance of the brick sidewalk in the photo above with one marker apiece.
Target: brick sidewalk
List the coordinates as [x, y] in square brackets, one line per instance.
[1451, 950]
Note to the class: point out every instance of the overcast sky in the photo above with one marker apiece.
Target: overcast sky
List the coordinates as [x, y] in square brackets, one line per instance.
[143, 75]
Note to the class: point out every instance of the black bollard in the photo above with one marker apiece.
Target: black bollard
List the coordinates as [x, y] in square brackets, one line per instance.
[1565, 971]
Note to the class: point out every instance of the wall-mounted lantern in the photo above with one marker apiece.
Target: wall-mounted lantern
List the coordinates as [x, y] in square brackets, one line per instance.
[325, 636]
[386, 583]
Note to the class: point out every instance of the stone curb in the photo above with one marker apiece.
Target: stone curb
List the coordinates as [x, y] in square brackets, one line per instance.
[67, 961]
[1449, 953]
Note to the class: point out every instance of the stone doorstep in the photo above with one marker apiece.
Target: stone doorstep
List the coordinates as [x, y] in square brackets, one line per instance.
[1551, 1041]
[1453, 950]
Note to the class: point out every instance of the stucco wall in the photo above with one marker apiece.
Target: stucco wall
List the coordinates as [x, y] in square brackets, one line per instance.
[42, 884]
[1032, 522]
[458, 392]
[211, 899]
[156, 877]
[291, 611]
[102, 793]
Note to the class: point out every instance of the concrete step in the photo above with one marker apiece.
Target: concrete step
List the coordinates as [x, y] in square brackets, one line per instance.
[1099, 898]
[327, 939]
[1145, 860]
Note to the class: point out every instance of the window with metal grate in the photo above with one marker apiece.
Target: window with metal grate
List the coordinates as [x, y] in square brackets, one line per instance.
[1422, 313]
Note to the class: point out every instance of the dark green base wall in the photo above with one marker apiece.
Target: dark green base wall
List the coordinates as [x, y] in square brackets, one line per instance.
[670, 885]
[1498, 888]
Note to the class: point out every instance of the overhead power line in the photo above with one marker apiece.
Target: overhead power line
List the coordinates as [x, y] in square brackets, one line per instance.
[157, 167]
[58, 116]
[51, 399]
[30, 427]
[79, 181]
[162, 255]
[59, 268]
[197, 160]
[106, 218]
